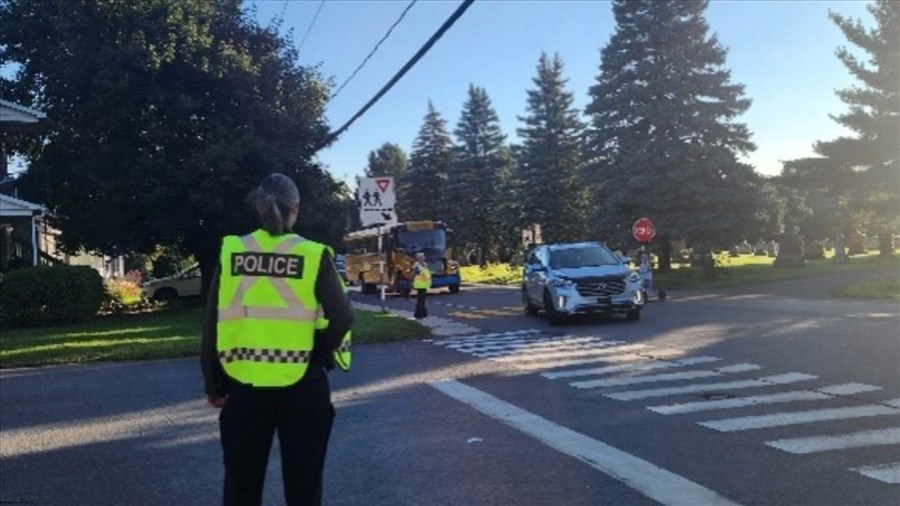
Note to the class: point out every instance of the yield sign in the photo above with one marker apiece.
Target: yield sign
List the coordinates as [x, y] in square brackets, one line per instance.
[383, 184]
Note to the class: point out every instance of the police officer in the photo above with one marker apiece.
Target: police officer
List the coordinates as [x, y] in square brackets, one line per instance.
[277, 319]
[421, 283]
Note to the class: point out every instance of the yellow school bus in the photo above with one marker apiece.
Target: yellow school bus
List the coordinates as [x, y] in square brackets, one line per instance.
[401, 243]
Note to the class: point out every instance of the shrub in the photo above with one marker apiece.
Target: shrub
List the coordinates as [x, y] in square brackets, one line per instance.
[123, 293]
[48, 296]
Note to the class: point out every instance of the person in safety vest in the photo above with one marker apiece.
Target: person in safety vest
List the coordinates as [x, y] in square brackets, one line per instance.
[421, 284]
[277, 319]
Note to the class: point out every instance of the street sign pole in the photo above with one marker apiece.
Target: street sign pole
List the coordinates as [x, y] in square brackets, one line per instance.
[381, 266]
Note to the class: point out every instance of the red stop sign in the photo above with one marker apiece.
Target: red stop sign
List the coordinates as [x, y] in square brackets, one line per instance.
[643, 230]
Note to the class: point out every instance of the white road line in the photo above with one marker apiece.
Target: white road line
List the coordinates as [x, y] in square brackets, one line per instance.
[819, 394]
[797, 418]
[889, 436]
[549, 348]
[610, 350]
[647, 365]
[848, 389]
[887, 473]
[691, 407]
[512, 333]
[778, 379]
[652, 378]
[625, 356]
[652, 481]
[521, 343]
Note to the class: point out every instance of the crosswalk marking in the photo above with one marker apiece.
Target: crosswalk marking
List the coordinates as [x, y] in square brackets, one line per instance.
[616, 364]
[549, 348]
[848, 389]
[521, 343]
[887, 473]
[469, 338]
[654, 482]
[647, 364]
[778, 379]
[651, 378]
[819, 394]
[625, 356]
[610, 350]
[797, 418]
[805, 445]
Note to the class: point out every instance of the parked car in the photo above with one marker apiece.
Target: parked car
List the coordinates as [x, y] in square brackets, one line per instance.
[184, 284]
[579, 278]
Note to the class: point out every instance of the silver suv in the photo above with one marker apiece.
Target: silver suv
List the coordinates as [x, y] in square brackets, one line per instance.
[579, 278]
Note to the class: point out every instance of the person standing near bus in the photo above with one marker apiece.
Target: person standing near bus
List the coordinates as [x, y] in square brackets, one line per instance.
[277, 319]
[421, 284]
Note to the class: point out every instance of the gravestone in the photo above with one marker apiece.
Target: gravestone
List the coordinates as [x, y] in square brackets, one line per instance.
[856, 245]
[790, 251]
[760, 248]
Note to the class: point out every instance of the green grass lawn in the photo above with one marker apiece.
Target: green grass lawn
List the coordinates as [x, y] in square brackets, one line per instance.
[167, 333]
[749, 269]
[887, 288]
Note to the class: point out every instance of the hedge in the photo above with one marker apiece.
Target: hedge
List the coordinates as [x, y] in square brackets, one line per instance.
[48, 296]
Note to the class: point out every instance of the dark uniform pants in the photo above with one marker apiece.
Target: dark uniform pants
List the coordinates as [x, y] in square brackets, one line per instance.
[421, 310]
[302, 415]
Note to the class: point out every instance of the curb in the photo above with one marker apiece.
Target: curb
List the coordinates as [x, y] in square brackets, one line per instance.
[442, 327]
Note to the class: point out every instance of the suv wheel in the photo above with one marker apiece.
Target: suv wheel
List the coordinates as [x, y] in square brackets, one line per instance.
[554, 316]
[530, 309]
[634, 314]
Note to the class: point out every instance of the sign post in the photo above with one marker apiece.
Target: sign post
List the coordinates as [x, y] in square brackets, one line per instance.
[377, 198]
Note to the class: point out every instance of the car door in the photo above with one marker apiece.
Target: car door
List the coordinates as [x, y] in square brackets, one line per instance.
[188, 284]
[534, 276]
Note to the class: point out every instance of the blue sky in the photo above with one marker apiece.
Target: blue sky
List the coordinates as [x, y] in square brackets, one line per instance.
[782, 51]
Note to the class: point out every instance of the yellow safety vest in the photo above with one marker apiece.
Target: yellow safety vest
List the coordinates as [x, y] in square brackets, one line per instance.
[268, 312]
[422, 280]
[342, 355]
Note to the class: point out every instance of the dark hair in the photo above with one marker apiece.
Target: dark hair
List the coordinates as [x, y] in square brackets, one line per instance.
[273, 199]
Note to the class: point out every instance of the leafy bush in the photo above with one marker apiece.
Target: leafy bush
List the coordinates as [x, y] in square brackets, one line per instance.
[47, 296]
[123, 293]
[494, 274]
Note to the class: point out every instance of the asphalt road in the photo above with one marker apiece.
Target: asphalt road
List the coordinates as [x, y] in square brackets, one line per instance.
[770, 395]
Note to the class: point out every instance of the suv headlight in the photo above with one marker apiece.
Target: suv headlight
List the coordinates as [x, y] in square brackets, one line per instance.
[634, 277]
[562, 283]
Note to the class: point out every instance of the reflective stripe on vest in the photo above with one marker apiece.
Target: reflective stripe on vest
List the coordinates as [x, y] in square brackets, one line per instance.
[267, 322]
[422, 280]
[342, 355]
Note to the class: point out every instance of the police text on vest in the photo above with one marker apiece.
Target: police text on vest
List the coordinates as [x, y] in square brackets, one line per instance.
[267, 264]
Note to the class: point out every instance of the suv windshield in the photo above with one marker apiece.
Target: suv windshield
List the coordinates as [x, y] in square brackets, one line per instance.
[586, 256]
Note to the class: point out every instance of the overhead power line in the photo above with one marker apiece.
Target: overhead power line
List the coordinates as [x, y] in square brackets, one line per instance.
[424, 49]
[310, 27]
[281, 16]
[366, 59]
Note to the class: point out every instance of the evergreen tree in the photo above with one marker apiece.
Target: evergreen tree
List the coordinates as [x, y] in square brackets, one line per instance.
[390, 160]
[429, 164]
[868, 165]
[663, 139]
[475, 186]
[551, 154]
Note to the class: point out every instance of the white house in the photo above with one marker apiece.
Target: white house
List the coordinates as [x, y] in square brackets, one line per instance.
[26, 237]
